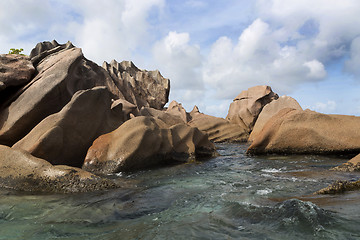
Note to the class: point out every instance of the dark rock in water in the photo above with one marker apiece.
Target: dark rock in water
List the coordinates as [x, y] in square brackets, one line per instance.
[340, 187]
[270, 110]
[20, 170]
[15, 70]
[307, 132]
[246, 107]
[218, 129]
[353, 165]
[140, 87]
[144, 142]
[64, 137]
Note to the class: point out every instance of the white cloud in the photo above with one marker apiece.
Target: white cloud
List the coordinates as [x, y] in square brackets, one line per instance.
[316, 69]
[260, 56]
[352, 65]
[179, 60]
[327, 107]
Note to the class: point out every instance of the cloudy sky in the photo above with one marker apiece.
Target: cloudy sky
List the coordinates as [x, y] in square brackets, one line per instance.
[210, 49]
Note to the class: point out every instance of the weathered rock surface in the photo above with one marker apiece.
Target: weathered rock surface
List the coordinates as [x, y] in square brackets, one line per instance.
[144, 142]
[270, 110]
[218, 129]
[15, 70]
[65, 137]
[340, 187]
[164, 116]
[294, 131]
[62, 71]
[59, 77]
[177, 109]
[140, 87]
[20, 170]
[353, 165]
[44, 49]
[246, 107]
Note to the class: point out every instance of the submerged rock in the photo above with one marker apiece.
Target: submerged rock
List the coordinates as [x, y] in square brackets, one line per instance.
[20, 170]
[65, 137]
[270, 110]
[144, 142]
[353, 165]
[246, 107]
[307, 132]
[340, 187]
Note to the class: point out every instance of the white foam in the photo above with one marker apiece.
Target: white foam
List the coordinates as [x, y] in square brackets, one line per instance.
[264, 191]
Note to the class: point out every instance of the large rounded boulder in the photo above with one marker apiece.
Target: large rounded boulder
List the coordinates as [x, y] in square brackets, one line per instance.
[218, 129]
[64, 137]
[246, 107]
[270, 110]
[144, 142]
[293, 131]
[20, 170]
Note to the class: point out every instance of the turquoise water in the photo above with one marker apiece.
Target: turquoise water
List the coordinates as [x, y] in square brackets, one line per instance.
[233, 196]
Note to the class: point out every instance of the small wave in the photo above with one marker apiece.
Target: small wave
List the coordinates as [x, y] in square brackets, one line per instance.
[271, 170]
[264, 191]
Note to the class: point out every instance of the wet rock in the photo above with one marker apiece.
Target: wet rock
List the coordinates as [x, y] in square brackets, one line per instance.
[307, 132]
[20, 170]
[140, 87]
[246, 107]
[144, 142]
[218, 129]
[353, 165]
[340, 187]
[64, 137]
[270, 110]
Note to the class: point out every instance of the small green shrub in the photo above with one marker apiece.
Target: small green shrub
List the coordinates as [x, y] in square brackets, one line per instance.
[16, 51]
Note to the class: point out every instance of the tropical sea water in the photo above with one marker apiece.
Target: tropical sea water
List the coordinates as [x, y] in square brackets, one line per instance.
[233, 196]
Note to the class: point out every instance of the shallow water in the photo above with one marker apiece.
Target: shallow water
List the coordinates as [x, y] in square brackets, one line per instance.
[233, 196]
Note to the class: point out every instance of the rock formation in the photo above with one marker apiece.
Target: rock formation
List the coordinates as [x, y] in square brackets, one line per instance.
[164, 116]
[65, 137]
[246, 107]
[20, 170]
[15, 70]
[340, 187]
[353, 165]
[270, 110]
[177, 109]
[144, 142]
[62, 71]
[294, 131]
[140, 87]
[218, 129]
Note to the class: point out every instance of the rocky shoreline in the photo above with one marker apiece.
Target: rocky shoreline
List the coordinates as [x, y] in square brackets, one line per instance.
[66, 122]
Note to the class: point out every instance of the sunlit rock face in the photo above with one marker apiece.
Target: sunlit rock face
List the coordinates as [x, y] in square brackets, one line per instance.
[144, 142]
[246, 107]
[292, 131]
[270, 110]
[140, 87]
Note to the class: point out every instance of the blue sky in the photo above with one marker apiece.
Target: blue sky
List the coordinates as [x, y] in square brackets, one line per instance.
[211, 50]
